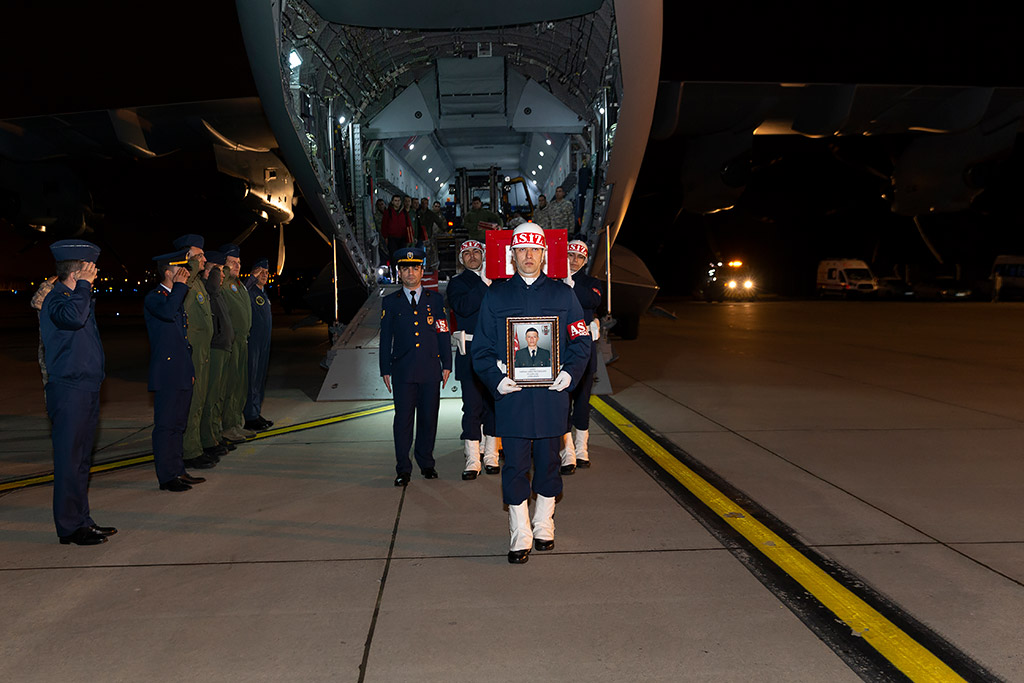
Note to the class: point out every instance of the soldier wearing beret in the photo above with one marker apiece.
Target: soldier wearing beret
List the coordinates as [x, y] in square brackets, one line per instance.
[259, 346]
[200, 331]
[170, 370]
[75, 371]
[415, 361]
[530, 420]
[590, 291]
[465, 294]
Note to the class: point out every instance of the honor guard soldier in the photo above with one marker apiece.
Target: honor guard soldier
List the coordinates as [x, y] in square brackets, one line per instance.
[465, 294]
[199, 314]
[75, 371]
[236, 372]
[530, 420]
[415, 361]
[170, 370]
[590, 292]
[259, 346]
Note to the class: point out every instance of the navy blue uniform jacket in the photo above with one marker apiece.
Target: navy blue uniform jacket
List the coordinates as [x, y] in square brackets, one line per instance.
[534, 412]
[414, 347]
[170, 357]
[589, 290]
[465, 294]
[67, 323]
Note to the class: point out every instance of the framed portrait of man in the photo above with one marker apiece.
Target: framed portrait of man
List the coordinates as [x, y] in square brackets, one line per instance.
[532, 350]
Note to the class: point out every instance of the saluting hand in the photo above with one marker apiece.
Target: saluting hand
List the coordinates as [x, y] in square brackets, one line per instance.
[181, 275]
[87, 272]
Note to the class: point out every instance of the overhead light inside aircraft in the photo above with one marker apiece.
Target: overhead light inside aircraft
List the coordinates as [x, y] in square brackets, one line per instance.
[341, 120]
[430, 170]
[412, 145]
[533, 172]
[600, 110]
[423, 158]
[436, 178]
[541, 153]
[548, 141]
[540, 167]
[294, 60]
[507, 178]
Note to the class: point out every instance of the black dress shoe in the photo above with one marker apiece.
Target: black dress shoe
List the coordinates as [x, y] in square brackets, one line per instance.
[469, 475]
[189, 479]
[403, 479]
[543, 545]
[429, 473]
[228, 445]
[105, 530]
[492, 469]
[202, 462]
[518, 556]
[266, 423]
[215, 452]
[255, 425]
[176, 485]
[84, 536]
[582, 463]
[566, 469]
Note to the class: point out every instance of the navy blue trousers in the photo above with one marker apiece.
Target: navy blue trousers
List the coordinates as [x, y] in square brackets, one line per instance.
[419, 402]
[74, 414]
[477, 401]
[579, 399]
[515, 475]
[259, 357]
[170, 416]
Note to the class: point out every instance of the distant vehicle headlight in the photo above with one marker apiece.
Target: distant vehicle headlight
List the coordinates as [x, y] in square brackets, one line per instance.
[732, 284]
[748, 284]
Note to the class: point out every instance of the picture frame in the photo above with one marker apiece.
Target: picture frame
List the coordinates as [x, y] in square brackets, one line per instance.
[532, 350]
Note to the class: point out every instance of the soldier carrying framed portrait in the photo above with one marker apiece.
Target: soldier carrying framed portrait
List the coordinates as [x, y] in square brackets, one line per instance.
[531, 350]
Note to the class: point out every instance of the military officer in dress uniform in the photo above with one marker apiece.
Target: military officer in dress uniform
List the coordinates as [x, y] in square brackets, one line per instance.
[590, 292]
[236, 373]
[170, 370]
[259, 346]
[465, 293]
[75, 371]
[530, 420]
[415, 361]
[199, 314]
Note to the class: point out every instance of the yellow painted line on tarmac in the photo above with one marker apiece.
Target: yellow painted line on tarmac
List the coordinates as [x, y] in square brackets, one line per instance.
[906, 654]
[138, 460]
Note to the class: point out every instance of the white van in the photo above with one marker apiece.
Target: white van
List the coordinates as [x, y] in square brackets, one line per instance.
[845, 277]
[1007, 277]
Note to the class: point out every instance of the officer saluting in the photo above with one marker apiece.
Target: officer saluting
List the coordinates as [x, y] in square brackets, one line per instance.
[74, 363]
[170, 370]
[590, 291]
[415, 356]
[465, 294]
[530, 421]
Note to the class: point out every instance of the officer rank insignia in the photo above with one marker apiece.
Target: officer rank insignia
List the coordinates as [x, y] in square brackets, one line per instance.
[430, 320]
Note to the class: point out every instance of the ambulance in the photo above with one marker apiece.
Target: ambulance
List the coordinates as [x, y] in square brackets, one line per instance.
[845, 277]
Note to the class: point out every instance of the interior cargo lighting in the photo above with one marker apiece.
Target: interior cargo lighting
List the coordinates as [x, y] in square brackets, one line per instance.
[341, 120]
[735, 264]
[423, 158]
[294, 60]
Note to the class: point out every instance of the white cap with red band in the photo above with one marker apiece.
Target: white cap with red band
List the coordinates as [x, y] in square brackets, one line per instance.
[471, 244]
[579, 247]
[529, 235]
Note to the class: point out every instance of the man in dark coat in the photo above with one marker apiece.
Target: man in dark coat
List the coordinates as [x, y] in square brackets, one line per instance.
[259, 346]
[170, 370]
[75, 371]
[465, 293]
[590, 292]
[415, 361]
[530, 420]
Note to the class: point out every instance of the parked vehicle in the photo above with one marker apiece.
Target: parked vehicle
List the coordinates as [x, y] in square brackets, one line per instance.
[895, 289]
[1007, 277]
[942, 288]
[845, 277]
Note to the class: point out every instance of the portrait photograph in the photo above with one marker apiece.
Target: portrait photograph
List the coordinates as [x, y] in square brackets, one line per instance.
[532, 350]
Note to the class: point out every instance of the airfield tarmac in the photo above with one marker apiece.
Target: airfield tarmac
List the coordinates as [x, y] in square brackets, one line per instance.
[883, 441]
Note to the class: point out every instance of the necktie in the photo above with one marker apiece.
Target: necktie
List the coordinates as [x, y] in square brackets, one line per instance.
[412, 298]
[533, 354]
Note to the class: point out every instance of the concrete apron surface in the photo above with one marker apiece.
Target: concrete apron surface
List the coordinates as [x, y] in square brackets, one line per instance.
[298, 559]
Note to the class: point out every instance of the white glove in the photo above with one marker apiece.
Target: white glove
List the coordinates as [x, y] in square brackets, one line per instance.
[507, 386]
[561, 382]
[595, 330]
[569, 281]
[503, 367]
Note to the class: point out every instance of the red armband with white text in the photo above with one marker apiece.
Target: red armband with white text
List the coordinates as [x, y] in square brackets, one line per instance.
[441, 325]
[578, 329]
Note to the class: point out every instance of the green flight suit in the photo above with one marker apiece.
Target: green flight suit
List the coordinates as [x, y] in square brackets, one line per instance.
[472, 219]
[200, 332]
[236, 371]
